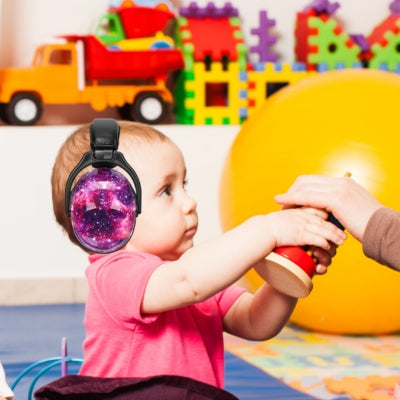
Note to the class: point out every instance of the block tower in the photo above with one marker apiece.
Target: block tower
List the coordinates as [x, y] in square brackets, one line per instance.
[384, 41]
[320, 41]
[210, 89]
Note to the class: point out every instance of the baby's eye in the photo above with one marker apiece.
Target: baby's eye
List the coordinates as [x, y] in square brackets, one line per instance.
[166, 191]
[185, 183]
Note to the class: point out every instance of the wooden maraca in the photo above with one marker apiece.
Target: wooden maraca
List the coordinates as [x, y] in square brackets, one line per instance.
[290, 269]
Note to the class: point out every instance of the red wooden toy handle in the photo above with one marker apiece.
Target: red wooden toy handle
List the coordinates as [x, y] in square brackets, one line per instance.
[300, 257]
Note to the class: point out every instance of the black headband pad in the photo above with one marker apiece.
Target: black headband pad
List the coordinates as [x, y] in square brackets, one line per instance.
[104, 140]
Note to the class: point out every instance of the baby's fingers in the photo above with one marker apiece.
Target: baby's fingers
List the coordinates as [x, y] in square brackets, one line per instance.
[325, 233]
[323, 258]
[316, 211]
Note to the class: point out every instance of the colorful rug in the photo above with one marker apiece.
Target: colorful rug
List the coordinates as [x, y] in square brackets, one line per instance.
[326, 366]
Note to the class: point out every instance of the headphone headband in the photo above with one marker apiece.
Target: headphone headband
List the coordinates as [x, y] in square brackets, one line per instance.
[104, 140]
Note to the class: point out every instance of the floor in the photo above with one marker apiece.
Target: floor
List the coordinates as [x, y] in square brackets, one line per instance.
[296, 365]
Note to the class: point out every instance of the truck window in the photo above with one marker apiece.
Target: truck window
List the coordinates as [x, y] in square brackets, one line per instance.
[60, 57]
[37, 60]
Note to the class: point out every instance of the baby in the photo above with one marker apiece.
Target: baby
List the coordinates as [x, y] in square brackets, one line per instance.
[160, 305]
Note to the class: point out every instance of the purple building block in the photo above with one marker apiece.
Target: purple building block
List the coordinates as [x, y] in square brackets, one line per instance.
[265, 39]
[323, 7]
[361, 41]
[210, 11]
[395, 7]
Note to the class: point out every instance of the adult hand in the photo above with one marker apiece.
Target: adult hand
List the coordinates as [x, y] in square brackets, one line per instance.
[348, 201]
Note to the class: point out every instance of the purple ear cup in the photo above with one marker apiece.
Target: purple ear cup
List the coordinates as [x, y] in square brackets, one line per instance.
[103, 205]
[103, 210]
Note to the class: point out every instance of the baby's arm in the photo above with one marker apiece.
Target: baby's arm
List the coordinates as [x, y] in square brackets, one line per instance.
[206, 269]
[259, 316]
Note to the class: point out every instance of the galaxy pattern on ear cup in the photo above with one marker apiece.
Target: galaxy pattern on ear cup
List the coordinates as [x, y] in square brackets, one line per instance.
[103, 210]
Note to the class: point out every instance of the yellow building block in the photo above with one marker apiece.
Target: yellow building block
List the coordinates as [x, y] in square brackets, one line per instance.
[205, 110]
[258, 81]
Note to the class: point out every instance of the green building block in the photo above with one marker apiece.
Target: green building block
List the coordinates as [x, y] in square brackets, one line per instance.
[331, 47]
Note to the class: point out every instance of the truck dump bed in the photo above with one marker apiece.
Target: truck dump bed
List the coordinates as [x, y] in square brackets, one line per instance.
[104, 63]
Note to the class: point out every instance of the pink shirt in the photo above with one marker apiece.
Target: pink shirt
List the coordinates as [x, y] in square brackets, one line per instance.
[120, 342]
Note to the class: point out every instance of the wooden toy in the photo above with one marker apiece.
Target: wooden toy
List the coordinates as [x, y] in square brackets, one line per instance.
[289, 269]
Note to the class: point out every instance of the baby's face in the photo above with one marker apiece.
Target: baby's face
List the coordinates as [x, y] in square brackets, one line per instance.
[168, 221]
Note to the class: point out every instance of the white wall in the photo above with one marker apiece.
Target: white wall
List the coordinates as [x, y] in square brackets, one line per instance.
[31, 244]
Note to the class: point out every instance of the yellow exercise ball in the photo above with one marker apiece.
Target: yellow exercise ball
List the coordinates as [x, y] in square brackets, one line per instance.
[327, 124]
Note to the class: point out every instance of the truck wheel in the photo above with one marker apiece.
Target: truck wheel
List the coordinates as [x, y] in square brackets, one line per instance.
[3, 115]
[23, 109]
[149, 108]
[125, 112]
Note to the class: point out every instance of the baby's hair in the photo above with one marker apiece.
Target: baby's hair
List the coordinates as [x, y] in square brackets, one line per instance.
[71, 152]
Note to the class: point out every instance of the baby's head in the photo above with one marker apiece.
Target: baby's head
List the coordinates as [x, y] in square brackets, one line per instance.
[131, 136]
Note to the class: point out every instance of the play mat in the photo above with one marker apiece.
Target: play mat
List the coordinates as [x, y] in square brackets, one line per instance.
[326, 366]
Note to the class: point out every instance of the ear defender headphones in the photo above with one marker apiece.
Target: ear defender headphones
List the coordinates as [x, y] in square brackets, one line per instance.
[103, 205]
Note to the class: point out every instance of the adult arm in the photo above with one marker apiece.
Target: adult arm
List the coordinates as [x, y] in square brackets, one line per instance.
[382, 237]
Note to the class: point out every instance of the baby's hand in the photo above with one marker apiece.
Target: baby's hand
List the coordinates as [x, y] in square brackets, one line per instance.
[306, 226]
[323, 258]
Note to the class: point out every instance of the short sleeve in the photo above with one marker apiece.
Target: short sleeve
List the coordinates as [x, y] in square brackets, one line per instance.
[227, 297]
[120, 284]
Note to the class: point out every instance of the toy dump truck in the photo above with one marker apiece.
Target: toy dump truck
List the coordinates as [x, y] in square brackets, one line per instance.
[82, 69]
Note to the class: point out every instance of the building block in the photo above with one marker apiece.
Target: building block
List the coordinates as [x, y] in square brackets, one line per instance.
[213, 37]
[201, 85]
[212, 89]
[385, 44]
[212, 11]
[320, 39]
[331, 45]
[395, 7]
[301, 33]
[377, 34]
[266, 78]
[323, 7]
[265, 39]
[388, 54]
